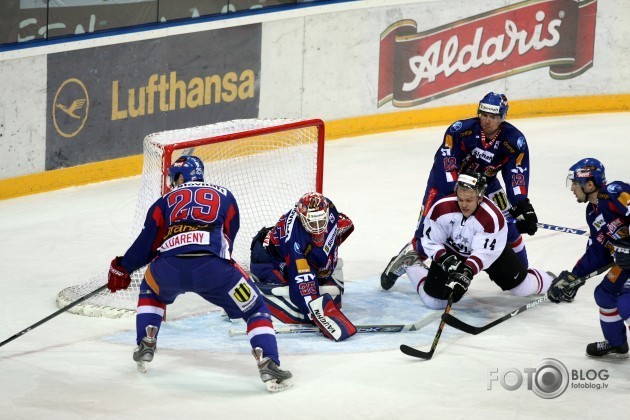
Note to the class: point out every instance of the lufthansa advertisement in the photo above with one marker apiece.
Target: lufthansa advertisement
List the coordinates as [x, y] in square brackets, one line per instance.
[102, 102]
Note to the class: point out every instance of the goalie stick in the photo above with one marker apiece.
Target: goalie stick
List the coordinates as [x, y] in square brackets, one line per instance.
[365, 329]
[51, 316]
[470, 329]
[410, 351]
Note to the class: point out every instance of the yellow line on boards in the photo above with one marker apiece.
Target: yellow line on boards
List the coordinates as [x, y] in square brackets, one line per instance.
[335, 129]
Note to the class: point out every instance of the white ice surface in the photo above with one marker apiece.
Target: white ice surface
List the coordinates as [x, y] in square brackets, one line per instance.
[74, 367]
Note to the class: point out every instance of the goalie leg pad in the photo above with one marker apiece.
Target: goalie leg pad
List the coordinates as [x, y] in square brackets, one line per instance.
[280, 305]
[327, 316]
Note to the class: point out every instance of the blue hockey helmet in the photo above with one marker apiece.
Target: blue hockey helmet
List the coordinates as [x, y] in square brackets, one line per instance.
[588, 169]
[494, 103]
[190, 167]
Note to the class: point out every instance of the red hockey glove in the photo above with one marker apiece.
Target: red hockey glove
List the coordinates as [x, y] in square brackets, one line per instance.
[117, 277]
[345, 226]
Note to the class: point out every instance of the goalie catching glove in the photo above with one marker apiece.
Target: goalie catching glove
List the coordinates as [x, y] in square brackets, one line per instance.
[117, 277]
[330, 320]
[564, 288]
[345, 227]
[526, 219]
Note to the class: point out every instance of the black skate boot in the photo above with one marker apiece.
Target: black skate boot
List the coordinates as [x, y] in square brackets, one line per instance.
[143, 354]
[274, 378]
[398, 265]
[603, 349]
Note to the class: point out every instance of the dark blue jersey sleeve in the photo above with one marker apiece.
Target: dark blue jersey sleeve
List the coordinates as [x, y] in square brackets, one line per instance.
[608, 222]
[144, 248]
[515, 170]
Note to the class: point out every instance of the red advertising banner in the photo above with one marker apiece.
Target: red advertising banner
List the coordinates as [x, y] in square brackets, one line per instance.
[417, 67]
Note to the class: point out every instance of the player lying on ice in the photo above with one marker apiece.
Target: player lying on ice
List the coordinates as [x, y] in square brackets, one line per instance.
[492, 146]
[608, 218]
[187, 241]
[464, 233]
[297, 266]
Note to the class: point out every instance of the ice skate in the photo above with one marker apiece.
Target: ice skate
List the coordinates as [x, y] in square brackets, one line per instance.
[274, 378]
[143, 354]
[397, 266]
[603, 349]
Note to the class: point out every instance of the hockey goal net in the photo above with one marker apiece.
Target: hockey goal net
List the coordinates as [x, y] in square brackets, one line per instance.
[266, 163]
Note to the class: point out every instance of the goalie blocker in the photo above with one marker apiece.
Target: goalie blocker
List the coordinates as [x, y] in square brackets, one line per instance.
[330, 320]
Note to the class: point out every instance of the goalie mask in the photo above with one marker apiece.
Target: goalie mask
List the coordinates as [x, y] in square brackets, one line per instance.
[190, 167]
[313, 210]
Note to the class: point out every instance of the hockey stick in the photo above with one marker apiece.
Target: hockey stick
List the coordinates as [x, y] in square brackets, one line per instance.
[410, 351]
[365, 329]
[557, 228]
[467, 328]
[563, 229]
[51, 316]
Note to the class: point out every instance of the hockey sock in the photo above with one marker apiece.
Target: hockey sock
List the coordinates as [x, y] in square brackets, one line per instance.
[535, 282]
[613, 326]
[261, 334]
[150, 312]
[416, 273]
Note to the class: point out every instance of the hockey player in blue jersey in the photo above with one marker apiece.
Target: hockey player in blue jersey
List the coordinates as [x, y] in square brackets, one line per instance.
[298, 268]
[187, 241]
[490, 145]
[608, 218]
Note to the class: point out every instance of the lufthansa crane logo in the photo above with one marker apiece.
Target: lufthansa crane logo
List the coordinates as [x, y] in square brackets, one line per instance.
[70, 108]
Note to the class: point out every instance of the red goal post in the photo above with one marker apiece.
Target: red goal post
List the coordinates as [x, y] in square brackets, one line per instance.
[266, 163]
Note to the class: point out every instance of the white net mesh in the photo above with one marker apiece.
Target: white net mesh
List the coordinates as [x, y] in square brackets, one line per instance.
[266, 163]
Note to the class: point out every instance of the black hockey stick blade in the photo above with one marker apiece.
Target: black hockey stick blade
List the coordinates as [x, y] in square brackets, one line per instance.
[470, 329]
[51, 316]
[410, 351]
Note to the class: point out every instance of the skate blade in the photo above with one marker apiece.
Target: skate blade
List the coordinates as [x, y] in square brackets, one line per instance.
[274, 386]
[610, 356]
[142, 366]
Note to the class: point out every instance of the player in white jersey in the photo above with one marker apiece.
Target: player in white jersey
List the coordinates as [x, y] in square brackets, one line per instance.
[465, 233]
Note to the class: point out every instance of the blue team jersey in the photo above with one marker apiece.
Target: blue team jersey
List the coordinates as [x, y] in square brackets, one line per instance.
[193, 218]
[608, 221]
[298, 257]
[465, 147]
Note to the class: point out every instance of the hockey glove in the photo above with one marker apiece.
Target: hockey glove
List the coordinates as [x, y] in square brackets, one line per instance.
[459, 280]
[449, 263]
[117, 277]
[622, 253]
[345, 227]
[564, 288]
[526, 219]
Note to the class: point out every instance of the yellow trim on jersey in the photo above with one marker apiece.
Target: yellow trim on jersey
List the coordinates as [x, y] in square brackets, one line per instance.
[302, 266]
[448, 141]
[148, 276]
